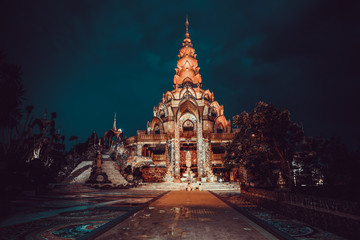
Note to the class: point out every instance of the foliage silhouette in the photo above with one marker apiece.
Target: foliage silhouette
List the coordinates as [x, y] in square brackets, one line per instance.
[31, 152]
[264, 144]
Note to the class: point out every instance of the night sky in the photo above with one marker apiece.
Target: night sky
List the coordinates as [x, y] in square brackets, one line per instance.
[86, 60]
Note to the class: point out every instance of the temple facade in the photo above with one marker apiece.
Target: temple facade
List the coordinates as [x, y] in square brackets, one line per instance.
[186, 137]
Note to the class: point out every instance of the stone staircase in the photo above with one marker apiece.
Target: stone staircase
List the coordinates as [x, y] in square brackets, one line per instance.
[80, 174]
[223, 186]
[170, 186]
[114, 176]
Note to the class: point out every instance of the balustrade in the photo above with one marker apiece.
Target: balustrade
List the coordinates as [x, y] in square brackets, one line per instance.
[307, 201]
[151, 137]
[217, 157]
[129, 140]
[159, 157]
[219, 136]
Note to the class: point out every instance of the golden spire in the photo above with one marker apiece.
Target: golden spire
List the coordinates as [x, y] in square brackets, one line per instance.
[187, 35]
[187, 40]
[187, 65]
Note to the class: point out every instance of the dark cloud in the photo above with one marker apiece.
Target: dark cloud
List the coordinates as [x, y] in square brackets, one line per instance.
[321, 45]
[88, 59]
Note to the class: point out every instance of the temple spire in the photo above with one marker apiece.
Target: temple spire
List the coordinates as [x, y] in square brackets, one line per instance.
[187, 66]
[187, 35]
[187, 40]
[114, 127]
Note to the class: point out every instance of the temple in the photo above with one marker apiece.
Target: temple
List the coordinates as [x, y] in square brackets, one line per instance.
[186, 137]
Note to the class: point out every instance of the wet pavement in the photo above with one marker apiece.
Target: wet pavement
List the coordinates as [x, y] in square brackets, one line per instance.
[187, 215]
[293, 228]
[83, 212]
[71, 214]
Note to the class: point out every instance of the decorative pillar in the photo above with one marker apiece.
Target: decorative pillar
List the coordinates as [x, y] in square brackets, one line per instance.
[177, 151]
[209, 172]
[170, 156]
[139, 149]
[200, 151]
[166, 154]
[169, 161]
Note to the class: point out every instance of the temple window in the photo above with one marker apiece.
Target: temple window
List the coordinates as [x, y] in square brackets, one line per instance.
[157, 129]
[218, 149]
[188, 126]
[220, 129]
[213, 112]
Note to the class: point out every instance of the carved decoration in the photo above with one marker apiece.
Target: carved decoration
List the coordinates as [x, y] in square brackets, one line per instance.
[156, 174]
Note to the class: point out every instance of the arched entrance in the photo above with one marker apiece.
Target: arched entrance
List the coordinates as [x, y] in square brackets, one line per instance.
[188, 146]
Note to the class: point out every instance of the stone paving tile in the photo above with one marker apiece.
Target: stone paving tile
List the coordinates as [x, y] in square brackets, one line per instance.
[187, 215]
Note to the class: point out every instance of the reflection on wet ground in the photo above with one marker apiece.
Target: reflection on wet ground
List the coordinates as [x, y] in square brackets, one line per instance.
[187, 215]
[73, 214]
[69, 215]
[296, 229]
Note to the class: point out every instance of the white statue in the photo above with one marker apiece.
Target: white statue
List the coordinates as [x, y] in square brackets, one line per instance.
[188, 160]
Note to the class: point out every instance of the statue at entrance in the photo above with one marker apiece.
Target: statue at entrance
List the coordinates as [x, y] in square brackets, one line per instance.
[188, 161]
[188, 173]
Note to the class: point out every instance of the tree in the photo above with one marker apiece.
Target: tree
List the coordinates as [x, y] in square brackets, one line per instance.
[306, 165]
[29, 110]
[25, 157]
[340, 166]
[328, 162]
[265, 143]
[11, 97]
[330, 166]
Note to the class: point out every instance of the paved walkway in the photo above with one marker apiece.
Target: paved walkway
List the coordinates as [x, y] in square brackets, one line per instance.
[187, 215]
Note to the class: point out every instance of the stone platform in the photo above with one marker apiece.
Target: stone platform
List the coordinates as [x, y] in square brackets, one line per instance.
[170, 186]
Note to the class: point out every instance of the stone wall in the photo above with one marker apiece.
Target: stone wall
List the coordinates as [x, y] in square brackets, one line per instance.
[339, 217]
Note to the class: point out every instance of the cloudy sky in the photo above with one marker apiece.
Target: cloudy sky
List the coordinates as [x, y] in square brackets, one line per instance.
[86, 60]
